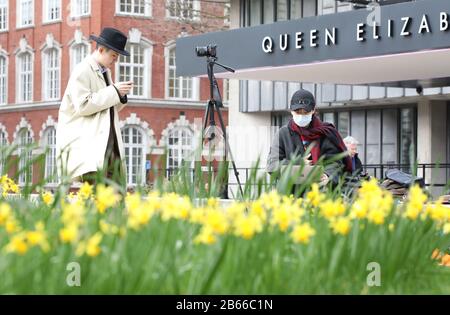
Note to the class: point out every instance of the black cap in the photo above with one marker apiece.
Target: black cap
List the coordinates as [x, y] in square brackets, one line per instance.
[113, 39]
[303, 99]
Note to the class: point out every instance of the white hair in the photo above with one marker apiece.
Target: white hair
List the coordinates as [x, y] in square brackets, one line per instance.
[350, 140]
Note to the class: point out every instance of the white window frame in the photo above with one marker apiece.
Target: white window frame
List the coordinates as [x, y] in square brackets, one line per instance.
[72, 52]
[130, 145]
[196, 6]
[179, 146]
[195, 81]
[18, 77]
[148, 53]
[78, 4]
[46, 13]
[22, 179]
[148, 9]
[20, 14]
[51, 154]
[4, 79]
[4, 8]
[45, 70]
[227, 15]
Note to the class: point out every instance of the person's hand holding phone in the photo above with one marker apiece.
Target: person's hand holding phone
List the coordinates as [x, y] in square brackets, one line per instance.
[124, 88]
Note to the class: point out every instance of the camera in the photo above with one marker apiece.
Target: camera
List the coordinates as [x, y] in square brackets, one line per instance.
[206, 51]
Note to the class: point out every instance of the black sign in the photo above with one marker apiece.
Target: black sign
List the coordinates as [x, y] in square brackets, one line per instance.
[382, 30]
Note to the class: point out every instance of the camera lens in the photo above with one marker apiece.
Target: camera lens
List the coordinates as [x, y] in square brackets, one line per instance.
[206, 51]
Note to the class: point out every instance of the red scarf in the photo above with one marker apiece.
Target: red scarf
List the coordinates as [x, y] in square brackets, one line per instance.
[317, 130]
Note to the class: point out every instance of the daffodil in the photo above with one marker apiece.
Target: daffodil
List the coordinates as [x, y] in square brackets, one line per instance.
[105, 197]
[17, 244]
[314, 196]
[302, 233]
[92, 245]
[341, 226]
[415, 203]
[5, 212]
[86, 191]
[247, 226]
[73, 214]
[47, 198]
[69, 234]
[331, 209]
[12, 225]
[217, 221]
[206, 236]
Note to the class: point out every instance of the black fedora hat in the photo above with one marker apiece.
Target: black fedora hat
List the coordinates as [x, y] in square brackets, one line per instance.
[113, 39]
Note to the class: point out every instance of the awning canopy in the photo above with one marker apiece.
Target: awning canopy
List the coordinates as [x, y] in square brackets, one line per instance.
[400, 45]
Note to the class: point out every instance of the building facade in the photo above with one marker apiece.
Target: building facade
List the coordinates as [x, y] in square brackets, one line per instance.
[41, 41]
[393, 125]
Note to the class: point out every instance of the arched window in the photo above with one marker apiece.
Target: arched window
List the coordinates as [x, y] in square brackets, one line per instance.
[179, 147]
[25, 156]
[51, 74]
[176, 86]
[25, 77]
[50, 158]
[134, 144]
[78, 53]
[79, 49]
[136, 68]
[3, 80]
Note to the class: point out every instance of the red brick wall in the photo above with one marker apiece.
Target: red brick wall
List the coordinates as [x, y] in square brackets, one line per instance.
[158, 29]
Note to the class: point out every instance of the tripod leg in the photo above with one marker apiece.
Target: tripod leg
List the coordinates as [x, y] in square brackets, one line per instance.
[205, 118]
[228, 150]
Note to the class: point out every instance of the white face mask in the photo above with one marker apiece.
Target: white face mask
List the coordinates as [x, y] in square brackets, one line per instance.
[302, 120]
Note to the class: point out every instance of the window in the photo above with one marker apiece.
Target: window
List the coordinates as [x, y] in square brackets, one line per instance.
[385, 136]
[227, 13]
[134, 154]
[136, 68]
[80, 8]
[134, 7]
[179, 147]
[51, 71]
[25, 155]
[3, 80]
[179, 87]
[4, 15]
[52, 10]
[186, 9]
[25, 13]
[255, 12]
[77, 53]
[25, 77]
[50, 158]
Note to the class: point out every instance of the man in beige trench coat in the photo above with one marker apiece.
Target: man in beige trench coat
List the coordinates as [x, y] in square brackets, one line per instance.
[88, 137]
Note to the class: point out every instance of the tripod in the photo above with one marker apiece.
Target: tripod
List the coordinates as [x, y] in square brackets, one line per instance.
[214, 105]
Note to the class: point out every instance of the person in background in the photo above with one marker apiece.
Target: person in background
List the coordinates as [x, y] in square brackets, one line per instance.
[305, 129]
[352, 147]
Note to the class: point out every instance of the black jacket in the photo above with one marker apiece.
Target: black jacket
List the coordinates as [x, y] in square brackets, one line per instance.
[287, 145]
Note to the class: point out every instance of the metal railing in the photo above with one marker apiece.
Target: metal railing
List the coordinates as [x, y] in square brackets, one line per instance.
[434, 174]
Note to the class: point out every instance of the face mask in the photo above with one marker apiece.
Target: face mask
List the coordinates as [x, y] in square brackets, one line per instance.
[302, 120]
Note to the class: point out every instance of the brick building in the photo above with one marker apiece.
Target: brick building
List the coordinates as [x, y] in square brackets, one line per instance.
[40, 41]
